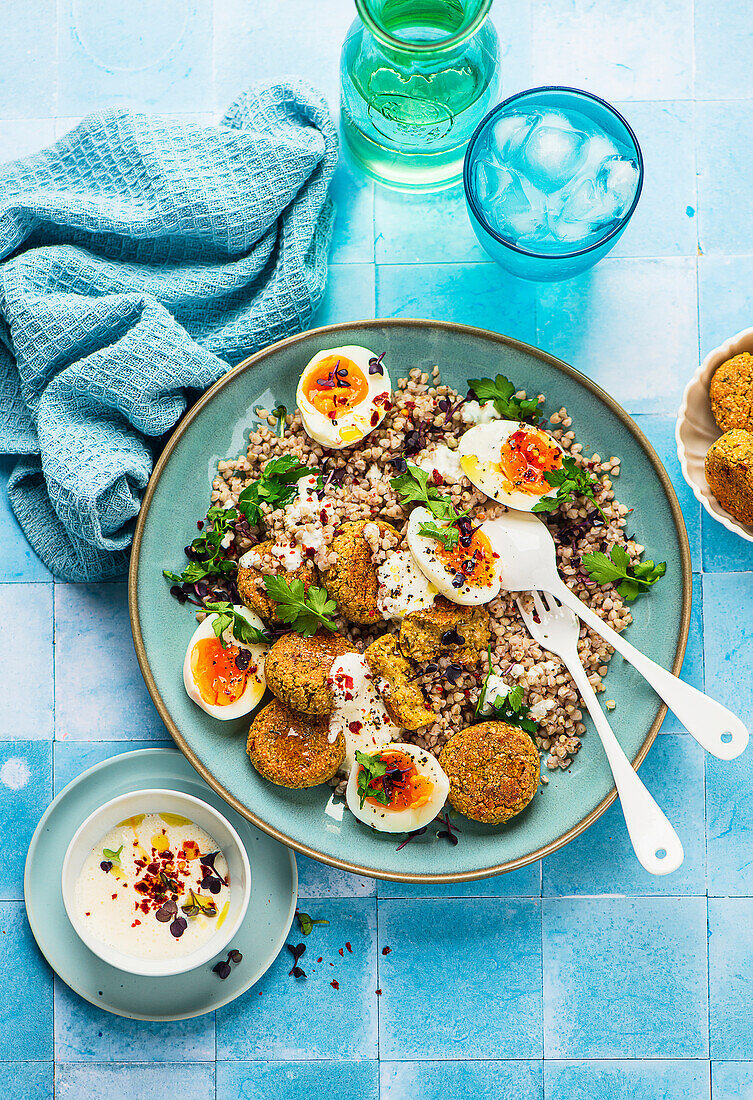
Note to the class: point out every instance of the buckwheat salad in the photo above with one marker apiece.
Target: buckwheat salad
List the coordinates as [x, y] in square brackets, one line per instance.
[347, 565]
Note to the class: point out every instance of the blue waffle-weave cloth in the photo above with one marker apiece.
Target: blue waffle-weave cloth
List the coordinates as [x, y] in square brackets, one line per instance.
[140, 258]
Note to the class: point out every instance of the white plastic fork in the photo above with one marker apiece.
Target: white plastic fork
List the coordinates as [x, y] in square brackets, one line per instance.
[655, 842]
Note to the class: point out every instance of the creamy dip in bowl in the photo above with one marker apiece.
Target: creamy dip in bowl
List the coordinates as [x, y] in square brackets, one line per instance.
[156, 882]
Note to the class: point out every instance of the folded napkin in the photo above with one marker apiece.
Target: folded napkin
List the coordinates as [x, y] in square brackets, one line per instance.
[139, 258]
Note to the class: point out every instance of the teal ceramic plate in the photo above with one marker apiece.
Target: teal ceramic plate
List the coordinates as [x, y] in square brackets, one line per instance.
[178, 494]
[274, 887]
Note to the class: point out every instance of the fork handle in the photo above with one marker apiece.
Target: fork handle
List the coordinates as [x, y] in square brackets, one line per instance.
[714, 727]
[655, 842]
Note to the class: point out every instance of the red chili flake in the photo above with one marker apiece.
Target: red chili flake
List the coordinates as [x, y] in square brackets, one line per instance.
[386, 950]
[379, 993]
[349, 947]
[355, 727]
[114, 896]
[334, 984]
[87, 914]
[436, 477]
[200, 524]
[381, 398]
[318, 960]
[135, 923]
[340, 950]
[323, 515]
[153, 868]
[374, 419]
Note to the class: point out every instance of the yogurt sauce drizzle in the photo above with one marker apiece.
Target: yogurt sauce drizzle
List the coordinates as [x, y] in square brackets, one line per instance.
[359, 714]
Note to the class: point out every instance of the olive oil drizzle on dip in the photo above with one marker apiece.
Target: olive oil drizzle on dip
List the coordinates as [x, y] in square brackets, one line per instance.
[155, 885]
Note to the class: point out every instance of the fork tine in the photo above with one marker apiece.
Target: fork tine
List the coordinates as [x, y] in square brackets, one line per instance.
[538, 603]
[550, 601]
[525, 615]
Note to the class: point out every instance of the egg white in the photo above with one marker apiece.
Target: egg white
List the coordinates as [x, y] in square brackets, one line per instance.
[255, 683]
[354, 424]
[480, 450]
[385, 820]
[424, 551]
[402, 586]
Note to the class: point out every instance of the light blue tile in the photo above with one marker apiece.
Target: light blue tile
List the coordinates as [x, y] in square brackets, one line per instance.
[85, 1033]
[100, 695]
[135, 54]
[725, 198]
[650, 1080]
[353, 235]
[729, 824]
[513, 20]
[25, 792]
[26, 1008]
[30, 1080]
[349, 295]
[28, 61]
[591, 322]
[723, 292]
[71, 758]
[292, 1019]
[728, 639]
[723, 44]
[139, 1081]
[317, 880]
[644, 958]
[732, 1080]
[524, 883]
[26, 701]
[641, 50]
[693, 664]
[264, 40]
[424, 229]
[723, 551]
[481, 960]
[297, 1080]
[472, 294]
[18, 137]
[661, 434]
[20, 563]
[664, 222]
[517, 1080]
[602, 861]
[731, 977]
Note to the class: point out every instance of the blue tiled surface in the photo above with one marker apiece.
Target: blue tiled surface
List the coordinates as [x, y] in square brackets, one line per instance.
[611, 985]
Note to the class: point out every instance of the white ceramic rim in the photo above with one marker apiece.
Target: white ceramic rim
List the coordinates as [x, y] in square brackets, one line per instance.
[696, 387]
[155, 968]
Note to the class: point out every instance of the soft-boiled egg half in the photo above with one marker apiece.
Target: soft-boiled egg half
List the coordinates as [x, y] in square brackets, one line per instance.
[508, 461]
[227, 682]
[343, 395]
[408, 795]
[466, 572]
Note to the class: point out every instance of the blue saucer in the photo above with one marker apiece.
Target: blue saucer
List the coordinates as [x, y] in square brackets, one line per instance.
[274, 887]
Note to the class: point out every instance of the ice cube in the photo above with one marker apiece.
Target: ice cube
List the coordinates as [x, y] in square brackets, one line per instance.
[519, 212]
[508, 135]
[586, 209]
[618, 177]
[553, 152]
[491, 180]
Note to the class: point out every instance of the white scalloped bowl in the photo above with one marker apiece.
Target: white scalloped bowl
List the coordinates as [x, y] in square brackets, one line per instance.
[696, 430]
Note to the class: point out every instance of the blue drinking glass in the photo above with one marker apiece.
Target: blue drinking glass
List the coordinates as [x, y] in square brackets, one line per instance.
[527, 253]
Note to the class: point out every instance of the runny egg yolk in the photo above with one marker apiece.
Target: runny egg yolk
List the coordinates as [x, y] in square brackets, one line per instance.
[335, 385]
[472, 557]
[215, 672]
[405, 786]
[525, 457]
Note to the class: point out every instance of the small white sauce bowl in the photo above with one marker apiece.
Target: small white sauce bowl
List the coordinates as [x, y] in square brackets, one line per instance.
[155, 802]
[696, 430]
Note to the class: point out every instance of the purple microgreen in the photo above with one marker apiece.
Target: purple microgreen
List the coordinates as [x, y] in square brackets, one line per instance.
[449, 830]
[222, 970]
[235, 956]
[178, 927]
[168, 883]
[451, 637]
[166, 912]
[296, 950]
[206, 554]
[375, 364]
[106, 865]
[410, 837]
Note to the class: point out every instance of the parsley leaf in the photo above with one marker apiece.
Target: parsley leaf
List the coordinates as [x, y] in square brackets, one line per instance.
[413, 485]
[372, 767]
[570, 480]
[448, 536]
[304, 611]
[510, 708]
[208, 552]
[501, 391]
[275, 487]
[241, 628]
[634, 579]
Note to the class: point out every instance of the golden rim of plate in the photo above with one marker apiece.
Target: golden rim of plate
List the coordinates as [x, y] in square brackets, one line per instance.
[460, 330]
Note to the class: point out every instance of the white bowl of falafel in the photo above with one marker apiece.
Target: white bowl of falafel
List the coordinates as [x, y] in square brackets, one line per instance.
[714, 433]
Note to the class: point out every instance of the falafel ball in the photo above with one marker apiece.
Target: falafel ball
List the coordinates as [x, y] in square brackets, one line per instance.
[352, 580]
[729, 472]
[494, 771]
[297, 670]
[731, 393]
[250, 580]
[396, 678]
[446, 629]
[293, 749]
